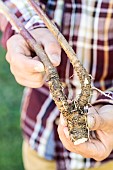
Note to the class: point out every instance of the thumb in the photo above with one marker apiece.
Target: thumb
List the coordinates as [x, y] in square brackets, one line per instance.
[101, 121]
[95, 121]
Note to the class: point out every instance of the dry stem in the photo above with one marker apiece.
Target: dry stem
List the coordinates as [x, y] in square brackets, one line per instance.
[74, 113]
[84, 77]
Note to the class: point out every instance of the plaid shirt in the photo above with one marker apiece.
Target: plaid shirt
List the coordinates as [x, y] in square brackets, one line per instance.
[88, 27]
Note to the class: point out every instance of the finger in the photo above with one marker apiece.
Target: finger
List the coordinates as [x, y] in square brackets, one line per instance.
[20, 46]
[7, 57]
[27, 83]
[91, 149]
[64, 139]
[52, 49]
[27, 64]
[105, 138]
[36, 77]
[49, 43]
[103, 120]
[66, 132]
[64, 124]
[3, 23]
[62, 121]
[94, 121]
[18, 55]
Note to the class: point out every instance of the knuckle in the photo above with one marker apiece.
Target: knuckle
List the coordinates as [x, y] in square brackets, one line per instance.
[39, 84]
[13, 60]
[8, 43]
[34, 85]
[12, 70]
[54, 43]
[7, 57]
[19, 81]
[27, 65]
[36, 78]
[39, 77]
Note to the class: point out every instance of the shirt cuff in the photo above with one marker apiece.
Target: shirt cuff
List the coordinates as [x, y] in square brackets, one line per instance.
[34, 22]
[25, 13]
[106, 98]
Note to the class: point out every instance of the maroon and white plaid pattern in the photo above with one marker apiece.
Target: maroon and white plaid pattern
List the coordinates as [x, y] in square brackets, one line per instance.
[88, 26]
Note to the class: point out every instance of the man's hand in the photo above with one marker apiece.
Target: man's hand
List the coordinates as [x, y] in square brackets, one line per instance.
[3, 23]
[30, 71]
[100, 120]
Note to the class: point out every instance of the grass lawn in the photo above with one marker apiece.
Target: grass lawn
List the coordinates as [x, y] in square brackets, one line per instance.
[10, 132]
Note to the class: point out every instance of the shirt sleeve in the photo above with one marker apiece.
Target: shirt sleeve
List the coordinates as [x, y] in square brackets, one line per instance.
[105, 97]
[26, 15]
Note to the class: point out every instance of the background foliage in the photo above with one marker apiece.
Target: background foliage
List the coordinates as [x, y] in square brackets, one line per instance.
[10, 132]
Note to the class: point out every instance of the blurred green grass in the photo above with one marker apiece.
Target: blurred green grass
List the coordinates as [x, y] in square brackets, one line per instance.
[10, 132]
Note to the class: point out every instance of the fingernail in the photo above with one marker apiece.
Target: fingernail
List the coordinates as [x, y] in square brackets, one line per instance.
[90, 121]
